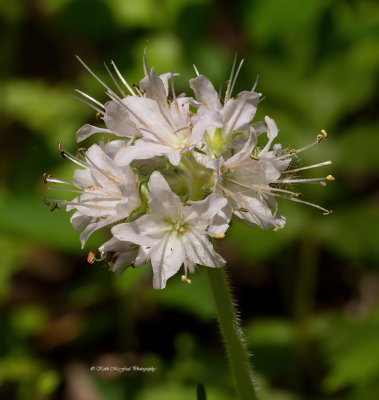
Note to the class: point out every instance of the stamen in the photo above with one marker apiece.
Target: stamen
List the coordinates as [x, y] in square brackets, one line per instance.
[66, 154]
[54, 207]
[228, 91]
[60, 149]
[122, 79]
[185, 279]
[45, 176]
[254, 157]
[101, 112]
[328, 213]
[96, 77]
[114, 80]
[139, 91]
[277, 228]
[90, 98]
[307, 167]
[300, 180]
[92, 255]
[45, 201]
[330, 178]
[236, 76]
[79, 150]
[220, 236]
[242, 209]
[194, 67]
[304, 202]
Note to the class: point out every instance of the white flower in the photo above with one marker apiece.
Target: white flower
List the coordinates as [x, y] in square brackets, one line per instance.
[174, 234]
[166, 127]
[250, 180]
[108, 192]
[235, 115]
[120, 255]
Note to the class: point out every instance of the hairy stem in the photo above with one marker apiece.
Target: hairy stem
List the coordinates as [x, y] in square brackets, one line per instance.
[238, 356]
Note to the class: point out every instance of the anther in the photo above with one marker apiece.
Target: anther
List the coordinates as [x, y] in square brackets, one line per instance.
[61, 150]
[328, 212]
[185, 279]
[277, 228]
[132, 264]
[292, 151]
[54, 207]
[188, 203]
[330, 178]
[45, 176]
[79, 150]
[254, 157]
[45, 201]
[98, 116]
[243, 209]
[324, 133]
[297, 194]
[322, 183]
[92, 256]
[220, 236]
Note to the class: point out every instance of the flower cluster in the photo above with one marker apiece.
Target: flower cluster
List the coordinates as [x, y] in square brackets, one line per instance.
[180, 169]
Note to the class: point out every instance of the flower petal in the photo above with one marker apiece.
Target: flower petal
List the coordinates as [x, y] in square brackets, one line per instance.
[146, 231]
[239, 111]
[199, 249]
[164, 202]
[205, 93]
[166, 259]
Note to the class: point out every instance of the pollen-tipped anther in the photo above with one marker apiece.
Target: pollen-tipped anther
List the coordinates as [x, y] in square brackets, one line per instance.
[330, 178]
[242, 209]
[254, 157]
[185, 279]
[92, 256]
[61, 150]
[277, 228]
[45, 176]
[321, 136]
[292, 151]
[54, 207]
[45, 201]
[79, 150]
[220, 236]
[328, 212]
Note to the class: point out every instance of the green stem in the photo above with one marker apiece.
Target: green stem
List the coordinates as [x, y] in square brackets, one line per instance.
[238, 356]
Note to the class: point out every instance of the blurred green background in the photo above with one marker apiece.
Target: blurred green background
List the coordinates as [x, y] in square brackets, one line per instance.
[308, 294]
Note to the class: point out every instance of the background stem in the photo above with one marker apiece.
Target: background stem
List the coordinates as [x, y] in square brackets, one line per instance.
[231, 331]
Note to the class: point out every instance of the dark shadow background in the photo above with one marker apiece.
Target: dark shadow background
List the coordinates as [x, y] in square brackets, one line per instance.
[307, 294]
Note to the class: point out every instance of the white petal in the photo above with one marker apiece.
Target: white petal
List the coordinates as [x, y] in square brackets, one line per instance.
[201, 121]
[145, 231]
[164, 202]
[94, 227]
[205, 93]
[243, 154]
[199, 249]
[117, 120]
[150, 117]
[166, 259]
[272, 133]
[141, 150]
[220, 223]
[239, 111]
[80, 221]
[88, 130]
[201, 213]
